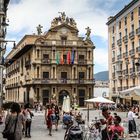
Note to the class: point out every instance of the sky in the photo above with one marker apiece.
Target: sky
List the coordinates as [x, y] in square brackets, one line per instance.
[25, 15]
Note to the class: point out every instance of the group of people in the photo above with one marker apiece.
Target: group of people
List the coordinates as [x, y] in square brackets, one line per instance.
[22, 119]
[113, 128]
[17, 122]
[53, 114]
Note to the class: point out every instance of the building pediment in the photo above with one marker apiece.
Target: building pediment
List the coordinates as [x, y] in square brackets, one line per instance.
[64, 27]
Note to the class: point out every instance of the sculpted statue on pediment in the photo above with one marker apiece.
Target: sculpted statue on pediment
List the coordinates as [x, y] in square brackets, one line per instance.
[63, 19]
[88, 33]
[39, 29]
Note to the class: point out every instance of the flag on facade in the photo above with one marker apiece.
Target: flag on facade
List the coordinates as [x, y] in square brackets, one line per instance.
[72, 56]
[68, 58]
[57, 58]
[62, 59]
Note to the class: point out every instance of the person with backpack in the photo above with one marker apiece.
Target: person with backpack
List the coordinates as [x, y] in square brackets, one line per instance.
[14, 123]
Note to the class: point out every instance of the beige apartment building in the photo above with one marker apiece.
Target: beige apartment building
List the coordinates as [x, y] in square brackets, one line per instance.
[3, 31]
[124, 50]
[46, 67]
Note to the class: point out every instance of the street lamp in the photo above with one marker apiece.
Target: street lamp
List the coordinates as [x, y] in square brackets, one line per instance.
[2, 67]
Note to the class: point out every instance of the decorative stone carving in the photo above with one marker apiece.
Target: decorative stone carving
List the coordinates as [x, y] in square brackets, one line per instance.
[62, 19]
[88, 33]
[39, 29]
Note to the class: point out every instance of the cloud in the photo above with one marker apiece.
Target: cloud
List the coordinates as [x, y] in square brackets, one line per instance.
[101, 58]
[27, 14]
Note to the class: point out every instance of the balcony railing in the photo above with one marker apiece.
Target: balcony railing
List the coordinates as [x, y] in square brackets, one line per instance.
[82, 62]
[62, 81]
[132, 35]
[61, 43]
[119, 42]
[125, 72]
[119, 88]
[138, 31]
[125, 39]
[119, 57]
[46, 61]
[113, 59]
[132, 52]
[113, 45]
[125, 55]
[138, 49]
[132, 72]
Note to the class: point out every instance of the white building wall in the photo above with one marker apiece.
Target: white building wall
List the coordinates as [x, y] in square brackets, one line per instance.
[101, 91]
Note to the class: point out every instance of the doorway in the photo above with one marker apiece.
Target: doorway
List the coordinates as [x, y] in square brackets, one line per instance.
[61, 96]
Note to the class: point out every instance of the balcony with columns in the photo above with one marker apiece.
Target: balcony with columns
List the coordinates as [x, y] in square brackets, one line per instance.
[62, 81]
[132, 35]
[138, 31]
[125, 39]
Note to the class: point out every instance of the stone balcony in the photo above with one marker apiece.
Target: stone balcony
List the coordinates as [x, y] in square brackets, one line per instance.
[125, 39]
[119, 42]
[125, 55]
[132, 52]
[138, 49]
[132, 35]
[138, 31]
[62, 81]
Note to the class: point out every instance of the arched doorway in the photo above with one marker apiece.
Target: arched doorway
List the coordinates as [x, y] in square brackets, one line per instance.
[61, 96]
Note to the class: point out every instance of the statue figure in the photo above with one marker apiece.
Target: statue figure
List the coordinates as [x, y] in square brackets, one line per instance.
[63, 16]
[72, 22]
[39, 31]
[88, 33]
[54, 22]
[67, 20]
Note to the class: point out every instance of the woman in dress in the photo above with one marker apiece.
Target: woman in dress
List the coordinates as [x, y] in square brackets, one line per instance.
[15, 121]
[48, 118]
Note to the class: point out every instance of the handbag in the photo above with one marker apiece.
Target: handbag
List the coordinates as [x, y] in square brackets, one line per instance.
[6, 132]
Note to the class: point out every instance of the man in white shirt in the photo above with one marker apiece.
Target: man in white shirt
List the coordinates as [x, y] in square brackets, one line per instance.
[131, 121]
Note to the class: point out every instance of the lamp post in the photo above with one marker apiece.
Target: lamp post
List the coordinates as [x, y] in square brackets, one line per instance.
[2, 67]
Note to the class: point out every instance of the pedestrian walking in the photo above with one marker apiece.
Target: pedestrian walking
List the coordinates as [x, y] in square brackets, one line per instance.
[48, 118]
[28, 116]
[57, 117]
[131, 121]
[14, 123]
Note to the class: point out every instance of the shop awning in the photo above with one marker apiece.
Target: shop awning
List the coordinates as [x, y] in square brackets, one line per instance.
[131, 92]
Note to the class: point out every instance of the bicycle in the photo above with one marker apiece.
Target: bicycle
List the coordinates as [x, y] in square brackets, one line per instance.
[93, 132]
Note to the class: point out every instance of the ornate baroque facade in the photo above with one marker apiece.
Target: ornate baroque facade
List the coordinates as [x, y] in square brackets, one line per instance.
[46, 67]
